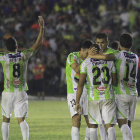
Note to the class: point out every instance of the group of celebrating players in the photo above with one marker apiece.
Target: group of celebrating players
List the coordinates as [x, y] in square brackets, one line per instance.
[101, 85]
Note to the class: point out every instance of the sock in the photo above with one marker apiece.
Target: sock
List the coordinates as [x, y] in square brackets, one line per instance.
[75, 134]
[5, 130]
[25, 130]
[111, 133]
[131, 132]
[93, 134]
[103, 133]
[87, 135]
[126, 132]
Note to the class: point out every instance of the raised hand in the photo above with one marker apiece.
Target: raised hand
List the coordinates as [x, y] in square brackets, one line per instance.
[41, 21]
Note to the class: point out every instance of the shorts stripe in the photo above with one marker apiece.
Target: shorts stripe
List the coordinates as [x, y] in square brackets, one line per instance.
[3, 110]
[92, 118]
[111, 120]
[121, 114]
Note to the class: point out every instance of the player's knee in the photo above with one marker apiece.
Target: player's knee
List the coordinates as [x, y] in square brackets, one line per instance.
[20, 120]
[76, 120]
[93, 126]
[109, 126]
[121, 122]
[6, 119]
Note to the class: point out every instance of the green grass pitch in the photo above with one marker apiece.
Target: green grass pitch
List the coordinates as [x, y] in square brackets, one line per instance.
[50, 120]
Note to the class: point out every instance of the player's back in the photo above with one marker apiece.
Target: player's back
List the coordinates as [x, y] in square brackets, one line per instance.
[71, 76]
[15, 70]
[99, 75]
[127, 68]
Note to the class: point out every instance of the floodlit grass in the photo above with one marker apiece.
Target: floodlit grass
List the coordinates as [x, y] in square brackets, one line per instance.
[50, 120]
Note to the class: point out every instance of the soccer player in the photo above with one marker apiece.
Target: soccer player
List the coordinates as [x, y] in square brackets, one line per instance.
[14, 96]
[100, 75]
[72, 76]
[126, 92]
[102, 41]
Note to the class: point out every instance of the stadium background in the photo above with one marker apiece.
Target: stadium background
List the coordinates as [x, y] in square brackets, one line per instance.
[67, 23]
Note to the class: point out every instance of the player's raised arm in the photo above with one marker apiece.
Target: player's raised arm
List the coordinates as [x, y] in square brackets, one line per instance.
[40, 35]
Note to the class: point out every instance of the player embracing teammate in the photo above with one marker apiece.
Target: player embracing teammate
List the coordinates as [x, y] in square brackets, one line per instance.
[126, 64]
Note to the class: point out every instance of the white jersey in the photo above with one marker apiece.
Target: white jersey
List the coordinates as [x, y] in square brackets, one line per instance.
[15, 69]
[99, 78]
[127, 67]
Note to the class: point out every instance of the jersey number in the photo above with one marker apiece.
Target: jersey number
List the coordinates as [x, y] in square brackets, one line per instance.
[131, 74]
[16, 70]
[98, 71]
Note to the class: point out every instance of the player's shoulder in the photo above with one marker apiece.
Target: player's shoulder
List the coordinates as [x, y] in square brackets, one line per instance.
[110, 50]
[87, 61]
[73, 54]
[128, 54]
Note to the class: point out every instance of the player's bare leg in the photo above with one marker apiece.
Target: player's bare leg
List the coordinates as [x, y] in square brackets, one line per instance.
[111, 131]
[93, 131]
[5, 128]
[24, 128]
[126, 132]
[75, 131]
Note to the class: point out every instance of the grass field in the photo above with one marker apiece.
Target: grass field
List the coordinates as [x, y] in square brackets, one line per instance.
[50, 120]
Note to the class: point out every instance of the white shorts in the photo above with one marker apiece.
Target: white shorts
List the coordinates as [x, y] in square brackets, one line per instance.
[102, 111]
[126, 106]
[83, 103]
[17, 101]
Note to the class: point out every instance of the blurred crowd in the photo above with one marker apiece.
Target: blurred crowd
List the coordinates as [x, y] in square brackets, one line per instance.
[67, 23]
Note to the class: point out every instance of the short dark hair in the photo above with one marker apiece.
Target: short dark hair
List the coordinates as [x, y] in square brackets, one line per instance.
[114, 45]
[126, 40]
[10, 44]
[86, 44]
[102, 36]
[96, 46]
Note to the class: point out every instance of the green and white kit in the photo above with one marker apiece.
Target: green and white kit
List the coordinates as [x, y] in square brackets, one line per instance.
[72, 79]
[14, 96]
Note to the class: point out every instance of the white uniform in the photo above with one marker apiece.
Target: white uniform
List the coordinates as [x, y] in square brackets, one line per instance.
[101, 104]
[126, 91]
[14, 96]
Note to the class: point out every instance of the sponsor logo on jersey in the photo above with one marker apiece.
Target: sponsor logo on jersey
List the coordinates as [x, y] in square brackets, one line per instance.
[16, 82]
[101, 89]
[132, 56]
